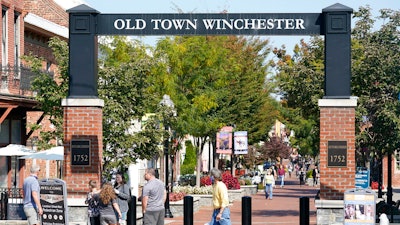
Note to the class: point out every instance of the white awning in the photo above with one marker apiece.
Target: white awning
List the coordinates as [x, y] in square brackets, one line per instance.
[47, 25]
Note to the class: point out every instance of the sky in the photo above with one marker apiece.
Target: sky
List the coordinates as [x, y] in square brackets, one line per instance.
[235, 6]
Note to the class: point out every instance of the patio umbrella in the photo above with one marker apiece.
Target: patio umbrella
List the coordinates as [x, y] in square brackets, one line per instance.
[54, 153]
[15, 150]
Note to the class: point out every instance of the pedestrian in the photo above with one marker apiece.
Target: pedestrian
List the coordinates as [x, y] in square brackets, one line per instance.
[269, 183]
[93, 203]
[315, 175]
[153, 199]
[32, 207]
[123, 196]
[108, 205]
[221, 213]
[281, 174]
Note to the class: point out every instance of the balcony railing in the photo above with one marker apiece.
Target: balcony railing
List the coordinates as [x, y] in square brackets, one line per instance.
[17, 80]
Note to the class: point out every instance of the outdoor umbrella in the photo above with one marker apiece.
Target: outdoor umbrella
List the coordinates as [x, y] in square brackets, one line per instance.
[15, 150]
[54, 153]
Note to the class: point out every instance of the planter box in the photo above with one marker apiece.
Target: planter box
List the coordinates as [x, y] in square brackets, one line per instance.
[249, 189]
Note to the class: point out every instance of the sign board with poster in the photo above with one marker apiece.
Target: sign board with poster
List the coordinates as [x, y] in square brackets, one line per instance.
[240, 142]
[362, 177]
[53, 197]
[224, 140]
[359, 207]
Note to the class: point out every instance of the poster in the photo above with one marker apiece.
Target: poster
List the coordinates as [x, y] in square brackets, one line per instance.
[240, 142]
[224, 141]
[359, 207]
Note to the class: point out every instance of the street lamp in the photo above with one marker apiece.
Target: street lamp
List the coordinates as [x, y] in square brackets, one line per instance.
[166, 101]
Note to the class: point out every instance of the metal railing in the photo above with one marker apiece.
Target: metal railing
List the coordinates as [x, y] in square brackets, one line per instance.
[17, 80]
[9, 196]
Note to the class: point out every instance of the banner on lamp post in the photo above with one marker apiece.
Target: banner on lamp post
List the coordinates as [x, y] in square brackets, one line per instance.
[224, 140]
[240, 144]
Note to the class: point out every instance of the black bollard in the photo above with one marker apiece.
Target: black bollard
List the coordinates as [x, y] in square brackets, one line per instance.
[131, 215]
[304, 211]
[246, 210]
[188, 210]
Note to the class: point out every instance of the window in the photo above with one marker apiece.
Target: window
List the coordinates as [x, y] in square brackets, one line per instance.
[17, 43]
[4, 47]
[397, 160]
[10, 132]
[5, 132]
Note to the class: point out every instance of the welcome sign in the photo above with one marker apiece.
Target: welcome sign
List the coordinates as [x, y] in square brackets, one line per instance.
[210, 24]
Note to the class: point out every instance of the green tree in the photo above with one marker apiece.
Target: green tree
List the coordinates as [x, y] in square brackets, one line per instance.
[300, 79]
[376, 81]
[50, 89]
[189, 163]
[123, 85]
[208, 82]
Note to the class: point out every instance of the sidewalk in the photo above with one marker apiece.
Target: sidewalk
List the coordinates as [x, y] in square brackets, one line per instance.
[283, 209]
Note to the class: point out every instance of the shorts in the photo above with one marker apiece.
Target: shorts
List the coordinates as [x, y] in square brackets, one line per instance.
[32, 215]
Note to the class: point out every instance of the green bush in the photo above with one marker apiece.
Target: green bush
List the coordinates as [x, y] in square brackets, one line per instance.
[309, 174]
[189, 163]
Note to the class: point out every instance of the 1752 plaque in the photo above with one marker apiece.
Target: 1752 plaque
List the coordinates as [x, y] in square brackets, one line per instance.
[80, 152]
[337, 153]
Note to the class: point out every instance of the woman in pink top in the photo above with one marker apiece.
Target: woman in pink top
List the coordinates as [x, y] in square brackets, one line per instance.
[281, 174]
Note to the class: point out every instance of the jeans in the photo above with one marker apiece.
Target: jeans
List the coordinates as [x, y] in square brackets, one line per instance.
[225, 218]
[268, 190]
[282, 177]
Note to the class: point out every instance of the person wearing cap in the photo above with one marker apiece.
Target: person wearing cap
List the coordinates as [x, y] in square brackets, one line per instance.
[32, 207]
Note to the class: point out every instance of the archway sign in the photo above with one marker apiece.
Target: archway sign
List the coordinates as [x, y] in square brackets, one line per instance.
[83, 108]
[86, 23]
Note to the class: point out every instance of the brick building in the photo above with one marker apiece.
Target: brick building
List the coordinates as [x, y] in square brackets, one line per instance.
[26, 27]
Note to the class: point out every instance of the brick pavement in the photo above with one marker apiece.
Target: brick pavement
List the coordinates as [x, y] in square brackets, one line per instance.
[283, 209]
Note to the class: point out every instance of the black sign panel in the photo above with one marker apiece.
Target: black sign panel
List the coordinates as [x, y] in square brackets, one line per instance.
[53, 198]
[337, 153]
[80, 152]
[210, 24]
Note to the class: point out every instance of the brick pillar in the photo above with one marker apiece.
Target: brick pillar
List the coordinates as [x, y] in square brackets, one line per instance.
[337, 125]
[82, 122]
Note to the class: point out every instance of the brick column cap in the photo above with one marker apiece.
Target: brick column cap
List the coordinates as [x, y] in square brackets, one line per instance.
[351, 102]
[96, 102]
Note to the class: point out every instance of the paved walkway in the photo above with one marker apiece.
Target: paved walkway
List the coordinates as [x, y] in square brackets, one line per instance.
[283, 209]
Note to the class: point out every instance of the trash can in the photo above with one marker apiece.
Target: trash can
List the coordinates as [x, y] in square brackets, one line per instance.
[359, 207]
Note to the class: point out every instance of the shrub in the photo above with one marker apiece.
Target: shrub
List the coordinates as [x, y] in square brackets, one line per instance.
[205, 181]
[205, 190]
[176, 196]
[188, 179]
[309, 174]
[231, 182]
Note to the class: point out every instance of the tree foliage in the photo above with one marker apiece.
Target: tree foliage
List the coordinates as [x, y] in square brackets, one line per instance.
[215, 81]
[274, 148]
[123, 85]
[376, 80]
[300, 81]
[50, 90]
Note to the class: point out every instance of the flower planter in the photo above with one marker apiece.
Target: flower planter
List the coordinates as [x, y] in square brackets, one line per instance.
[249, 189]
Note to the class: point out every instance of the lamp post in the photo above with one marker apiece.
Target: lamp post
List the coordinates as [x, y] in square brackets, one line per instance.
[166, 101]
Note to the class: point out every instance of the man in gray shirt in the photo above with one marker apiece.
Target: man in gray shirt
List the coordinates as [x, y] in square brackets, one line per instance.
[32, 207]
[153, 199]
